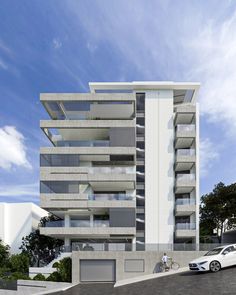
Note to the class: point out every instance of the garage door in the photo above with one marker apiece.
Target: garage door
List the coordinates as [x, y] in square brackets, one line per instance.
[97, 270]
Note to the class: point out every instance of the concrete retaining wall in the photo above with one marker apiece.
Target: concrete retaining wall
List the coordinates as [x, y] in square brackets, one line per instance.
[151, 259]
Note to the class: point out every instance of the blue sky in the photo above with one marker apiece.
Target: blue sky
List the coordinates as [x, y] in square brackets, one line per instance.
[59, 46]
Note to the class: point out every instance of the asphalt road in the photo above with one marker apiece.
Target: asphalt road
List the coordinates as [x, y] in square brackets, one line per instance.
[187, 283]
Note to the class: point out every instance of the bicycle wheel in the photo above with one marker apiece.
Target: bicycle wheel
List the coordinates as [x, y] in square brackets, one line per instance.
[175, 265]
[161, 268]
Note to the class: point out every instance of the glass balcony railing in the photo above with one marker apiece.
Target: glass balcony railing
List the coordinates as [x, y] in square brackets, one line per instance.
[79, 223]
[91, 143]
[185, 226]
[186, 127]
[185, 177]
[109, 246]
[101, 223]
[185, 152]
[110, 197]
[108, 170]
[56, 223]
[185, 202]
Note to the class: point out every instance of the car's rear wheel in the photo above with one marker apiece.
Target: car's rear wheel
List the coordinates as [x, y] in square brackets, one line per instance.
[215, 266]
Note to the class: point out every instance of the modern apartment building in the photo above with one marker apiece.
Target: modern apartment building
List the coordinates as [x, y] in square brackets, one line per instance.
[122, 170]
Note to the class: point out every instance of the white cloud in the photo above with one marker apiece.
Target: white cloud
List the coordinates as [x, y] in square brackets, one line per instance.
[24, 190]
[3, 65]
[214, 63]
[56, 43]
[199, 47]
[208, 156]
[12, 148]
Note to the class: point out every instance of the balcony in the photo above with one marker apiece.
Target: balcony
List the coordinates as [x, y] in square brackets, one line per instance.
[86, 133]
[185, 183]
[82, 143]
[74, 201]
[185, 207]
[89, 170]
[185, 230]
[75, 187]
[87, 109]
[185, 114]
[84, 228]
[85, 174]
[185, 159]
[185, 135]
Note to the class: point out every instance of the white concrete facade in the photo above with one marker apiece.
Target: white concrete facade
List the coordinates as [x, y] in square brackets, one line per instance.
[17, 220]
[159, 160]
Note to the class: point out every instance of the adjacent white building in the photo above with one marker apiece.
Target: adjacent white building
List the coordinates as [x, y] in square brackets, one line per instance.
[123, 168]
[17, 220]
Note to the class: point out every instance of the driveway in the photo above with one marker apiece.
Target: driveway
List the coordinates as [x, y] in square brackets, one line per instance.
[187, 283]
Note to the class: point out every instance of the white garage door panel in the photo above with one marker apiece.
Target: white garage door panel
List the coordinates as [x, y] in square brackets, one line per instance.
[97, 270]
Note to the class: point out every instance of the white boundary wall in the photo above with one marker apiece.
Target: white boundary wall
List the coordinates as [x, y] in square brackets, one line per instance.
[18, 220]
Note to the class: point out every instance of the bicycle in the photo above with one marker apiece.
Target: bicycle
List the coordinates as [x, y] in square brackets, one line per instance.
[170, 265]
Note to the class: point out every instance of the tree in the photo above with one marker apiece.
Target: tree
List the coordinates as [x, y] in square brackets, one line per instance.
[218, 210]
[41, 249]
[4, 254]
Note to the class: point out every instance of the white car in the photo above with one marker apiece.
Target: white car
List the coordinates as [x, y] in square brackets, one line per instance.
[215, 259]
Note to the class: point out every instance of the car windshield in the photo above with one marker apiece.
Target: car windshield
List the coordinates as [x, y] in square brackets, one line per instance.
[214, 251]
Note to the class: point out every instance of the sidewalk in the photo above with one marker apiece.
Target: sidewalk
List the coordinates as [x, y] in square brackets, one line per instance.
[150, 277]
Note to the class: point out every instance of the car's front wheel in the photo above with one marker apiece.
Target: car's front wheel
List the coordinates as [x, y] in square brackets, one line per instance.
[215, 266]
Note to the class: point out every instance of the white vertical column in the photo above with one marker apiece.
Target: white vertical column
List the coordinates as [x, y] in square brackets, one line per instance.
[134, 244]
[197, 176]
[67, 224]
[91, 220]
[159, 172]
[67, 245]
[67, 220]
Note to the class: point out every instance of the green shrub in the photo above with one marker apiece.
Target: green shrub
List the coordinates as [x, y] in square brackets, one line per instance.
[64, 269]
[19, 263]
[4, 271]
[18, 276]
[39, 277]
[63, 273]
[54, 277]
[55, 264]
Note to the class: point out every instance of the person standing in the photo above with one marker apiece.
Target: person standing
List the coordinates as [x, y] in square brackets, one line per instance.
[164, 261]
